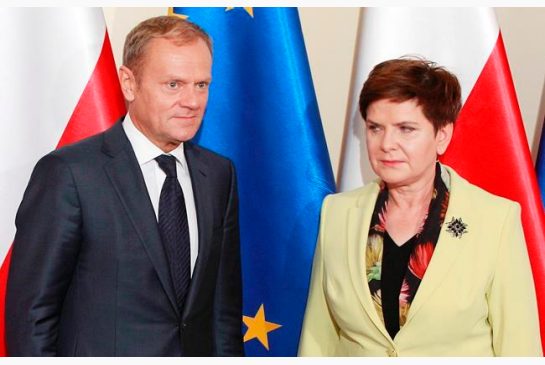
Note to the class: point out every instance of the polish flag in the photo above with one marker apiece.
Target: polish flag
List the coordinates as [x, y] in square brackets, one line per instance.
[58, 84]
[489, 146]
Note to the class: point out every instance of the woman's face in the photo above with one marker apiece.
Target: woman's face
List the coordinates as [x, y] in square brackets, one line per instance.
[402, 144]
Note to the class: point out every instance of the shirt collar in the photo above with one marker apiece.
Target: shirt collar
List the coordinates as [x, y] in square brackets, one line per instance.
[144, 149]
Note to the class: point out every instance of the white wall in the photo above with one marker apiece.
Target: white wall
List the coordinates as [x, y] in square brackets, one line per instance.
[330, 35]
[523, 31]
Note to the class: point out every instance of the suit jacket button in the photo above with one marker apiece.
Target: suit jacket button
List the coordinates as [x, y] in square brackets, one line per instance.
[184, 325]
[392, 353]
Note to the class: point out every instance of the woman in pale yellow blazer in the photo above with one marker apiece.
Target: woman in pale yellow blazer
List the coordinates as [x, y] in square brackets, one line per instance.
[420, 262]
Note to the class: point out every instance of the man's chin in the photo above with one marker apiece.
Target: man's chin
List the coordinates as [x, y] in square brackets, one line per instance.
[185, 137]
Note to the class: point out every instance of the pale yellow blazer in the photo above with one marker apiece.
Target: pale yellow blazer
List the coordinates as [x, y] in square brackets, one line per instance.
[477, 297]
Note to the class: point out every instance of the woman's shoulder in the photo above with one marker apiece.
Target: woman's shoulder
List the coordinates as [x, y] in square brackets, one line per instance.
[478, 197]
[354, 197]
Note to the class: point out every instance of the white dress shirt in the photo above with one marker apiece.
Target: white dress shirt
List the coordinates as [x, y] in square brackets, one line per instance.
[154, 177]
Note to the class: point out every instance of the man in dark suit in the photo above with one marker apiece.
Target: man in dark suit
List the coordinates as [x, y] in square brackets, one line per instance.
[127, 243]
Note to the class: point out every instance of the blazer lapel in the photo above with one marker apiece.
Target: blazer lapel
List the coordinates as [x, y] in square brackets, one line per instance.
[446, 251]
[126, 177]
[359, 219]
[205, 208]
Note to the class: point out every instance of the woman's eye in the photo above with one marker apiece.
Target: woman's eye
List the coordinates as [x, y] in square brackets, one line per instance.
[406, 129]
[373, 128]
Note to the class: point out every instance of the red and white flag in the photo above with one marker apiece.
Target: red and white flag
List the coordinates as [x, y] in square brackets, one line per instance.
[489, 146]
[58, 84]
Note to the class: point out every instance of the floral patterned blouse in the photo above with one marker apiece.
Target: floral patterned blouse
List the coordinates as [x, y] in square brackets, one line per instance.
[388, 270]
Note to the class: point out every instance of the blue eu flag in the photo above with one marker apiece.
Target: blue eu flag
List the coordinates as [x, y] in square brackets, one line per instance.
[262, 113]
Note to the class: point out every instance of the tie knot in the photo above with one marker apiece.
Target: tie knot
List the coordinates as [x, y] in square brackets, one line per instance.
[167, 163]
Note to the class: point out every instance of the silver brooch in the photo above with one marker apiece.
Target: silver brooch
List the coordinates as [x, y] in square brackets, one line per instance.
[456, 227]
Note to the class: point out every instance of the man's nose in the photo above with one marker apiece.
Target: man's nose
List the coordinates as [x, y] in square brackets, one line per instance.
[189, 97]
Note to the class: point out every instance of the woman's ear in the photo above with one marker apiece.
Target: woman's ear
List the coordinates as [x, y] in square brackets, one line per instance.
[443, 137]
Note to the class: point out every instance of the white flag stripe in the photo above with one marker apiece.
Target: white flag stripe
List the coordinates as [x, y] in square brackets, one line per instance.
[50, 54]
[461, 39]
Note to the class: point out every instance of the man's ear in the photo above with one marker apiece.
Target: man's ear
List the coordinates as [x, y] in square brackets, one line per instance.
[127, 82]
[443, 137]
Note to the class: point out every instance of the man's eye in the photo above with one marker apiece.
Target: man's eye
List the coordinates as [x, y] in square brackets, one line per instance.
[173, 84]
[202, 85]
[406, 129]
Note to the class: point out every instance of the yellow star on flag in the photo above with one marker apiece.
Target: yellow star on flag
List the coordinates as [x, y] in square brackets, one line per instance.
[258, 327]
[172, 13]
[250, 11]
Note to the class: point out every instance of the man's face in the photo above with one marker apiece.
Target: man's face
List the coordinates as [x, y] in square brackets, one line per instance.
[167, 99]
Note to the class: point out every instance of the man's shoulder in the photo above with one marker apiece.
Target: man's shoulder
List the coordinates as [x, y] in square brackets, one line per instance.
[82, 147]
[90, 147]
[205, 154]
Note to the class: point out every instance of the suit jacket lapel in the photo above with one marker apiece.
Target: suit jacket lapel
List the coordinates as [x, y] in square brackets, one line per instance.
[446, 251]
[204, 206]
[359, 219]
[126, 177]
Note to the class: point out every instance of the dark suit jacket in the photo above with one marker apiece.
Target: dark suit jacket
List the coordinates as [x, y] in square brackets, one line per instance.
[89, 276]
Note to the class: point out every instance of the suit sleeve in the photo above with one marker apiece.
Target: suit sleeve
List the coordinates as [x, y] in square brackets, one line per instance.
[512, 299]
[228, 296]
[319, 335]
[44, 254]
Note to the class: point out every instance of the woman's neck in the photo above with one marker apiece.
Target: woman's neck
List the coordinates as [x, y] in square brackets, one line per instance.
[407, 210]
[411, 197]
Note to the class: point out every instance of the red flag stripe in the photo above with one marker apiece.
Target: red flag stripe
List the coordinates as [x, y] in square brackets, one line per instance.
[98, 108]
[490, 132]
[3, 282]
[100, 105]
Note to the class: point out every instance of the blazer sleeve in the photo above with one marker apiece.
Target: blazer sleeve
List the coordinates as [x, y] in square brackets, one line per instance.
[319, 335]
[228, 296]
[512, 299]
[44, 255]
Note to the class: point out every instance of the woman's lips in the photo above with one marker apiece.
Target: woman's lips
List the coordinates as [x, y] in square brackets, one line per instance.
[391, 163]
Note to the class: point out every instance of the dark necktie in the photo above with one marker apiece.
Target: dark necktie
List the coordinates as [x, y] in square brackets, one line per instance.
[174, 229]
